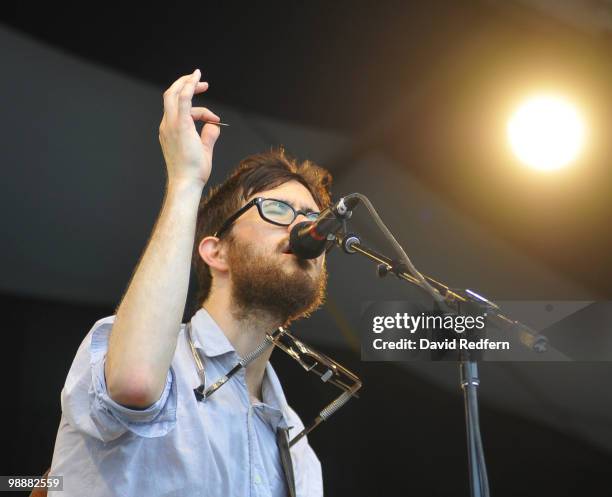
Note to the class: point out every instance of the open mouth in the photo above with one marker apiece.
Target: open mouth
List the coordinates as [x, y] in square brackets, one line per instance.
[287, 249]
[304, 264]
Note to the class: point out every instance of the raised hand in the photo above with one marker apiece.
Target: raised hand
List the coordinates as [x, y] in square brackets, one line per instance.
[188, 155]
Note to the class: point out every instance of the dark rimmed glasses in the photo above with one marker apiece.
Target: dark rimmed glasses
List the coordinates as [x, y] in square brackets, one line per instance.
[273, 211]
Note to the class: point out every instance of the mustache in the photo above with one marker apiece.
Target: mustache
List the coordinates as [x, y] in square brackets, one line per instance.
[285, 248]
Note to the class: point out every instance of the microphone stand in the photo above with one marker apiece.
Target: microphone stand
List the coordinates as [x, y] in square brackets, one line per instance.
[468, 366]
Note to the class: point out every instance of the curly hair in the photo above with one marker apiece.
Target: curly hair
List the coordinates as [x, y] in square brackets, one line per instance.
[253, 174]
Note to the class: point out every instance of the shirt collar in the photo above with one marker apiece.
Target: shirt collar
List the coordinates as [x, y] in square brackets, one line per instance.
[208, 337]
[273, 395]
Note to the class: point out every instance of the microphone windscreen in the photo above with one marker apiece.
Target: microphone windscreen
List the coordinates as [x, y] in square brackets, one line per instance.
[302, 244]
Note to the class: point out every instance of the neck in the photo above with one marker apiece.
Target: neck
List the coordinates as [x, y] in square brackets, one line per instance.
[246, 330]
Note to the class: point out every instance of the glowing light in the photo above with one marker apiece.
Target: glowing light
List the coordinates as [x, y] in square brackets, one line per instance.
[546, 133]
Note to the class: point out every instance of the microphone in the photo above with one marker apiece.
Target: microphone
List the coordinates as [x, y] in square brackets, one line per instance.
[308, 239]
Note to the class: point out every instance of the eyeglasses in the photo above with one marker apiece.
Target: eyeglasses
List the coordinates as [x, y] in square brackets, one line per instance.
[271, 210]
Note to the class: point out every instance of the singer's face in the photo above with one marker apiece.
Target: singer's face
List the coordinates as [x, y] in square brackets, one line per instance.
[273, 239]
[264, 273]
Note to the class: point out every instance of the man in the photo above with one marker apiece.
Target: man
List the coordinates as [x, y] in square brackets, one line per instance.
[131, 424]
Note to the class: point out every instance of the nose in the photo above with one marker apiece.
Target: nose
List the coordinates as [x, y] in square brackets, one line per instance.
[298, 219]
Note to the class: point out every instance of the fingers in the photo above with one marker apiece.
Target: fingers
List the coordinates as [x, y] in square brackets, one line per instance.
[204, 114]
[170, 107]
[172, 94]
[201, 87]
[209, 135]
[210, 132]
[186, 94]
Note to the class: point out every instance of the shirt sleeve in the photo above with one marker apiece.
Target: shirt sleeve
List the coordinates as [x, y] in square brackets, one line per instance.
[89, 408]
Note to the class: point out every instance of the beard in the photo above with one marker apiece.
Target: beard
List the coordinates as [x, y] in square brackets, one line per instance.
[282, 286]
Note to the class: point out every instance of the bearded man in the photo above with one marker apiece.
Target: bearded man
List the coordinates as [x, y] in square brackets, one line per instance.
[131, 424]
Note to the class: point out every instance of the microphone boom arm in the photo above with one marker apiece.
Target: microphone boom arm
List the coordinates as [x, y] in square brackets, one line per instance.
[351, 244]
[449, 300]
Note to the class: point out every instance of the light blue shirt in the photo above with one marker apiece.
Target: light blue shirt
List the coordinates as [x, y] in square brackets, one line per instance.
[224, 446]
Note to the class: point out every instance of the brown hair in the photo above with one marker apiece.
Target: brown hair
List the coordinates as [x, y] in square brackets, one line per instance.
[254, 174]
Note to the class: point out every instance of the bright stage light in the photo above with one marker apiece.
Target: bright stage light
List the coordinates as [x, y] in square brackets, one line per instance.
[546, 133]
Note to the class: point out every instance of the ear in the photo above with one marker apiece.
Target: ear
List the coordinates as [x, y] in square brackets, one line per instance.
[213, 253]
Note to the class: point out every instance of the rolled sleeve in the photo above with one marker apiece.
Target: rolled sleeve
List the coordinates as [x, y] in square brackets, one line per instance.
[93, 411]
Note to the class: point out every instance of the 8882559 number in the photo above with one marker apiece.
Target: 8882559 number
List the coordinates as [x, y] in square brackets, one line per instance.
[30, 482]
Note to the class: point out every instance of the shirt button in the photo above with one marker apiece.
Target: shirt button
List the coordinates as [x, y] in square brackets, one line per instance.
[257, 479]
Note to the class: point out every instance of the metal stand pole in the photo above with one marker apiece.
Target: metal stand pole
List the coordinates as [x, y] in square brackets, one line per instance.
[479, 484]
